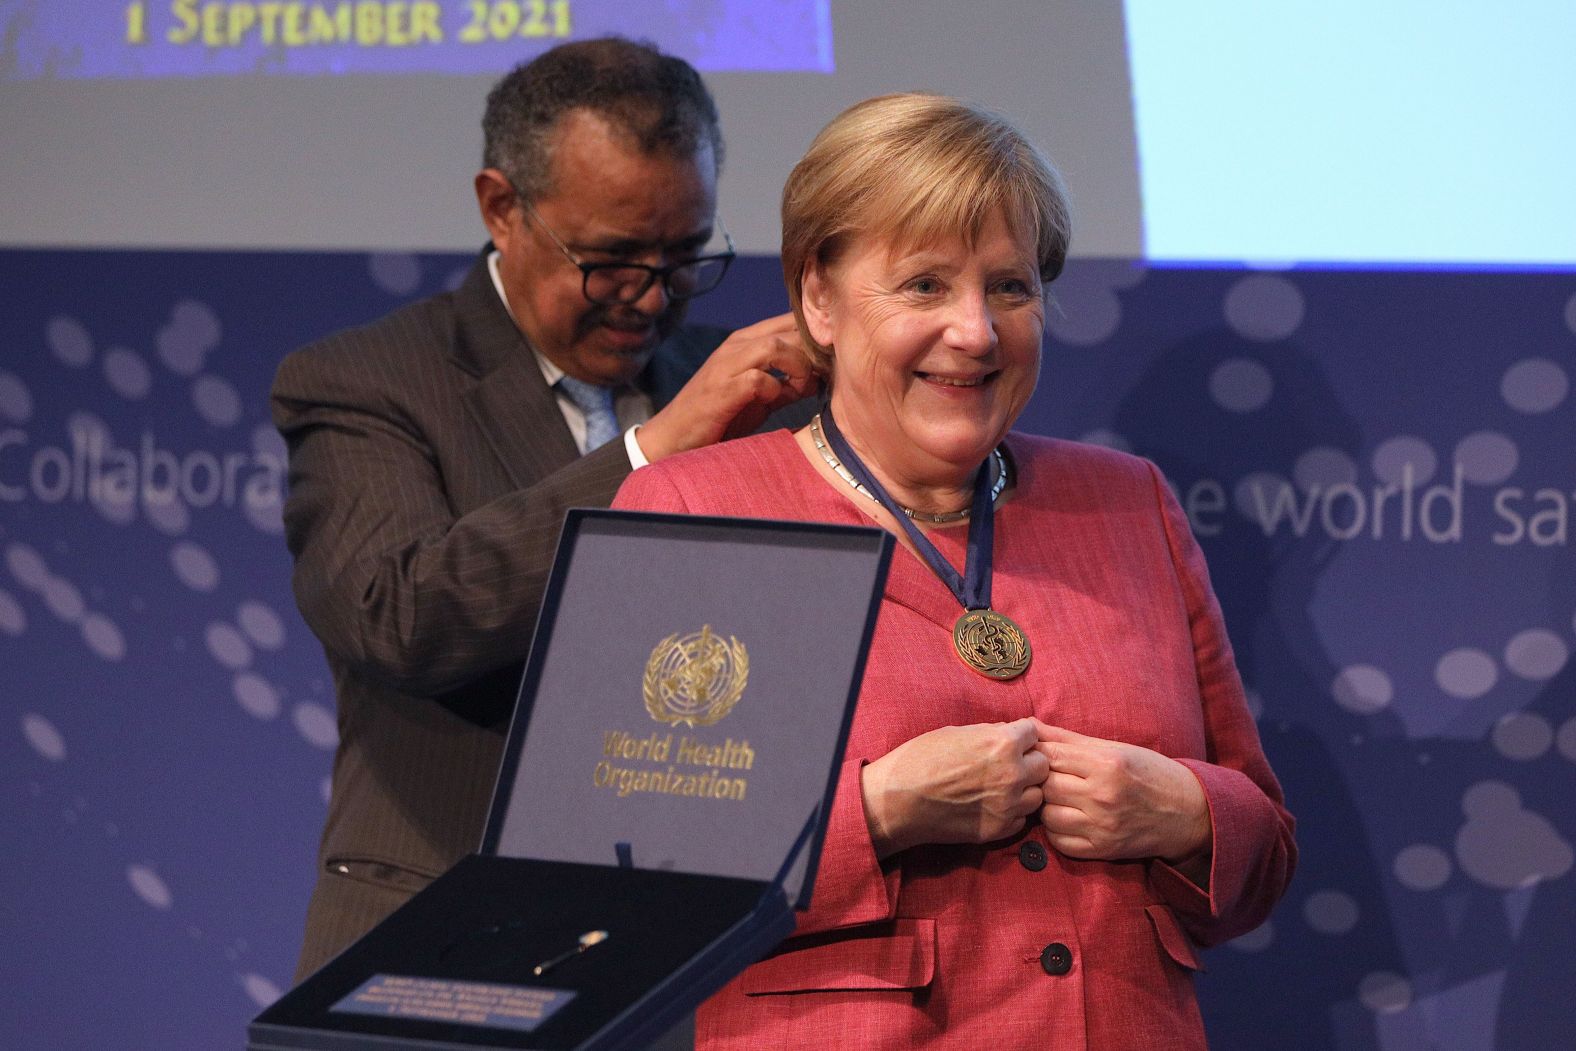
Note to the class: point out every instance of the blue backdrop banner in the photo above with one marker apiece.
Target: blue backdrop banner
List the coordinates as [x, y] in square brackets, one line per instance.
[1379, 466]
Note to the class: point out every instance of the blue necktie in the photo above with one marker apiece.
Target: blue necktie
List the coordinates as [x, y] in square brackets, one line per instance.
[597, 405]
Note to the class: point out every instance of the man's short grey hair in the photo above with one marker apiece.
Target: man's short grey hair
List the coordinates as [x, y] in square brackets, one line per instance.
[658, 100]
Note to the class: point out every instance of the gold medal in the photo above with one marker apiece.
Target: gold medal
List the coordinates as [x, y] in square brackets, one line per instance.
[991, 644]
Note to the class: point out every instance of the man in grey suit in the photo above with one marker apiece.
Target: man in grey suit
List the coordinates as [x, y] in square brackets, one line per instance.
[433, 453]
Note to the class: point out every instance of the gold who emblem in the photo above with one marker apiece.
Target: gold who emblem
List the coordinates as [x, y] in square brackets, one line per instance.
[991, 644]
[695, 679]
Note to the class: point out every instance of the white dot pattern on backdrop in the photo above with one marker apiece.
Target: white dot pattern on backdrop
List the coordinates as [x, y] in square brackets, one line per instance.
[103, 637]
[1322, 467]
[261, 991]
[198, 319]
[267, 442]
[16, 401]
[1422, 867]
[64, 599]
[1466, 673]
[1534, 385]
[261, 624]
[27, 566]
[69, 341]
[43, 737]
[1330, 912]
[1255, 704]
[1385, 992]
[149, 886]
[397, 273]
[1505, 846]
[1108, 439]
[326, 789]
[1486, 799]
[316, 724]
[89, 428]
[194, 566]
[1256, 940]
[192, 332]
[13, 618]
[1088, 310]
[1363, 688]
[1536, 654]
[169, 516]
[1255, 493]
[226, 646]
[1241, 385]
[1487, 457]
[1088, 316]
[216, 401]
[127, 374]
[263, 506]
[115, 506]
[1522, 736]
[1565, 740]
[256, 696]
[1392, 458]
[1264, 308]
[265, 518]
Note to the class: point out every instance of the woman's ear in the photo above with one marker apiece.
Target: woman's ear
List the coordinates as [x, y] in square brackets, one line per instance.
[815, 297]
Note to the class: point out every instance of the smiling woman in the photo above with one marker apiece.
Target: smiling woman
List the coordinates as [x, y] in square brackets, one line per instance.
[1053, 790]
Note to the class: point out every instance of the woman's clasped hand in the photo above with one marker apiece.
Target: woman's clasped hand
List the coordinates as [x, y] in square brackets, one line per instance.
[1098, 799]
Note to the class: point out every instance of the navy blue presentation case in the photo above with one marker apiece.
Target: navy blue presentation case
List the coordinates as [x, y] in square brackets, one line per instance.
[666, 780]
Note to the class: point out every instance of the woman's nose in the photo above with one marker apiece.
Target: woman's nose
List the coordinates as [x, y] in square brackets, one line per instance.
[972, 327]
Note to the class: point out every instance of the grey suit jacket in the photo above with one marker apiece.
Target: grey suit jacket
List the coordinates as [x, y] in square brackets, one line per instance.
[430, 468]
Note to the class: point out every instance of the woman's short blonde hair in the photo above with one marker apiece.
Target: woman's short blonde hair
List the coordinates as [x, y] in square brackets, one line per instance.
[913, 169]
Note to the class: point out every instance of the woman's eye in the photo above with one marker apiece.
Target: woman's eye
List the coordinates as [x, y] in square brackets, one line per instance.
[1016, 288]
[925, 285]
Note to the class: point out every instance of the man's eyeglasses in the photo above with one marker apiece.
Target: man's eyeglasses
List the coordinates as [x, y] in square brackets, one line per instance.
[610, 284]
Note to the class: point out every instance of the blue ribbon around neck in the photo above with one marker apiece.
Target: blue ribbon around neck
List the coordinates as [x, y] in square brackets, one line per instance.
[972, 589]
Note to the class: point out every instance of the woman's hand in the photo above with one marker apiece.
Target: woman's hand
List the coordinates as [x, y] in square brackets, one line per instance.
[1109, 801]
[956, 784]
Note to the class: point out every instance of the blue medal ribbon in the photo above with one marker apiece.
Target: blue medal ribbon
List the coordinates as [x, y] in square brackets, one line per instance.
[972, 589]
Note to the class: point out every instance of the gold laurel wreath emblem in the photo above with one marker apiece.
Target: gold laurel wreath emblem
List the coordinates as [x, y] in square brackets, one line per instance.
[695, 679]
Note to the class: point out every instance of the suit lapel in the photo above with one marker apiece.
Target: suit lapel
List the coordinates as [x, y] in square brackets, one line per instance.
[510, 402]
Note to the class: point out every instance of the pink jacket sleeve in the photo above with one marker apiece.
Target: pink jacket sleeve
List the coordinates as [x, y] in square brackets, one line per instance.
[1254, 853]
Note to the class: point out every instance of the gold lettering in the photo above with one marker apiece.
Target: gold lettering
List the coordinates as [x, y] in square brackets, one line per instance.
[270, 15]
[735, 755]
[626, 781]
[186, 13]
[213, 19]
[329, 28]
[239, 19]
[294, 31]
[369, 23]
[395, 28]
[136, 23]
[424, 22]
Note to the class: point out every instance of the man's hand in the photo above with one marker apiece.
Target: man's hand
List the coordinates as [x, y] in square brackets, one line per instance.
[755, 372]
[1110, 801]
[955, 784]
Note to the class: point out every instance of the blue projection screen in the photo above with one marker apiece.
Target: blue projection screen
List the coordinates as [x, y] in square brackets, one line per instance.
[1347, 131]
[91, 39]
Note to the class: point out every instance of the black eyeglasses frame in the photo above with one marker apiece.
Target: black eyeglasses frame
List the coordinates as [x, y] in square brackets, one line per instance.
[653, 273]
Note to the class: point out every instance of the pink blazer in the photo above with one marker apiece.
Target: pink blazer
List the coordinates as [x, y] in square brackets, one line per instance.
[1010, 944]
